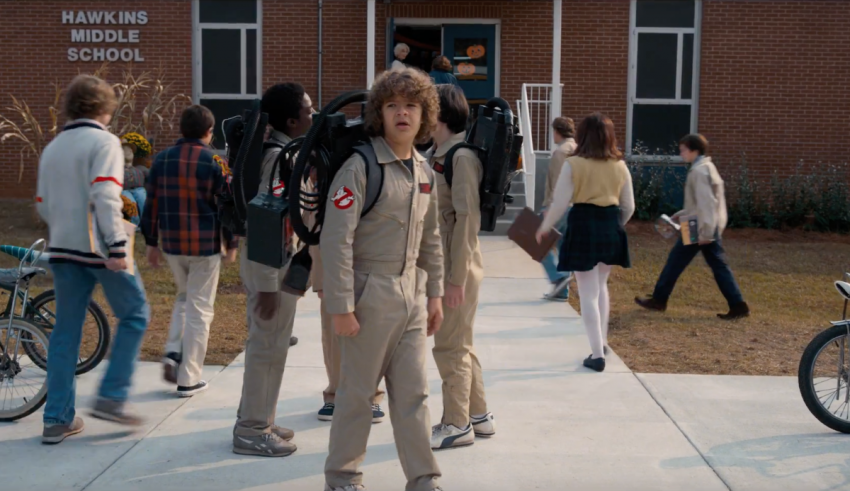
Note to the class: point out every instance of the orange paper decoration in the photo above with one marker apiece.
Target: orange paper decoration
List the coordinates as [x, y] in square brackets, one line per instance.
[466, 69]
[475, 51]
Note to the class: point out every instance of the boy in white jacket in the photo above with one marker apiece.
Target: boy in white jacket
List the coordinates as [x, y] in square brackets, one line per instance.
[80, 179]
[705, 198]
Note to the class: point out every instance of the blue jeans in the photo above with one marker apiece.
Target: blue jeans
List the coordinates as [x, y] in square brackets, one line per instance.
[714, 255]
[550, 261]
[139, 195]
[74, 286]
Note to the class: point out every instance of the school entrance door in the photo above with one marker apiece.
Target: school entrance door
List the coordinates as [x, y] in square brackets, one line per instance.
[472, 50]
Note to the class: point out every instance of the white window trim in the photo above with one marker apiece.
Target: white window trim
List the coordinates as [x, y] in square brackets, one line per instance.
[410, 21]
[197, 55]
[632, 98]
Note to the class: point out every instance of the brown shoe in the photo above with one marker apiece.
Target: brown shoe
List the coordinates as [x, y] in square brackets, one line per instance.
[54, 434]
[650, 303]
[737, 311]
[170, 364]
[282, 432]
[108, 410]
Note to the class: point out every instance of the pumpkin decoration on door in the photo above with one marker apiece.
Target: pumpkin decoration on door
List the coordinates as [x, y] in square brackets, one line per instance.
[466, 69]
[476, 51]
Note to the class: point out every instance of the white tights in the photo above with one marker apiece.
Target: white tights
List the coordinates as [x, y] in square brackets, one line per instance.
[595, 306]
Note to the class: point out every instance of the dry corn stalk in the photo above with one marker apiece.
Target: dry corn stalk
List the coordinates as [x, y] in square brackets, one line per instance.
[160, 110]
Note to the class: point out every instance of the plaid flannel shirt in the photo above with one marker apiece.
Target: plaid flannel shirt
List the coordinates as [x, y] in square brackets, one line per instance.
[181, 205]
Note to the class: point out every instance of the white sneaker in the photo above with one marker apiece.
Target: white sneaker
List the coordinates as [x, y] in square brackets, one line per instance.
[484, 427]
[350, 487]
[448, 436]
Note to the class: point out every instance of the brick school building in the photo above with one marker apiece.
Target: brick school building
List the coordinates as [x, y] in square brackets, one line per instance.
[767, 80]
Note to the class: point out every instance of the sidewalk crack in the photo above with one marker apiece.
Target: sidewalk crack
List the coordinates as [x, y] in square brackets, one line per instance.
[682, 431]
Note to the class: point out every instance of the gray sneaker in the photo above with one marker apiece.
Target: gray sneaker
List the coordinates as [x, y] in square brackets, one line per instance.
[56, 433]
[114, 411]
[265, 445]
[350, 487]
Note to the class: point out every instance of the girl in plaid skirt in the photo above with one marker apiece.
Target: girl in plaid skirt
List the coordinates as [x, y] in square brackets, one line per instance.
[598, 184]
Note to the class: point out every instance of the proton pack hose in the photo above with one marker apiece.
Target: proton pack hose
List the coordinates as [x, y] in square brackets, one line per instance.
[315, 145]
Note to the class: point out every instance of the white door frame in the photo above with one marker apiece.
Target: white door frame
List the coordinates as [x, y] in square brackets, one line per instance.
[197, 55]
[438, 22]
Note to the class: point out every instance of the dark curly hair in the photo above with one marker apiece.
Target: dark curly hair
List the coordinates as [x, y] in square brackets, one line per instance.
[410, 83]
[282, 102]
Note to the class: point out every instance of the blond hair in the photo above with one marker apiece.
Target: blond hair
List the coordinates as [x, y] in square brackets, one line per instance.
[399, 47]
[89, 97]
[411, 84]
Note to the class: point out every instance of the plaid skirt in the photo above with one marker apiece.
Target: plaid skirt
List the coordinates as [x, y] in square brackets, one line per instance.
[594, 236]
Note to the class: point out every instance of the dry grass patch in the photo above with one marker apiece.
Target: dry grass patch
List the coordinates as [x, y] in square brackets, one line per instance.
[786, 277]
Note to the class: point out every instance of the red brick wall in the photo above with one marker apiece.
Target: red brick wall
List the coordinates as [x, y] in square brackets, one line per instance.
[775, 82]
[34, 54]
[595, 60]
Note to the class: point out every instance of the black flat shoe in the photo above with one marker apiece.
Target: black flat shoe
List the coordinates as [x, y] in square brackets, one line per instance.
[597, 364]
[650, 303]
[293, 341]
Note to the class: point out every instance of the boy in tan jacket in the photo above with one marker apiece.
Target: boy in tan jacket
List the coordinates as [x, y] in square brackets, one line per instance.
[704, 197]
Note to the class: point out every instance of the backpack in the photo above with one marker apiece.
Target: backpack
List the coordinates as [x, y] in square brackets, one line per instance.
[495, 138]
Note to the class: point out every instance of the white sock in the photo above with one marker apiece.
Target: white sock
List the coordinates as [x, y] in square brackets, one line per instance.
[589, 293]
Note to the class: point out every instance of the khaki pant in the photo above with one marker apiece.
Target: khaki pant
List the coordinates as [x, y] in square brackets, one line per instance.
[265, 359]
[463, 382]
[330, 349]
[392, 343]
[197, 281]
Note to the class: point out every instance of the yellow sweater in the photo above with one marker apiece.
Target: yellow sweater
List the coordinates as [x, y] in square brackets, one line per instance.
[598, 182]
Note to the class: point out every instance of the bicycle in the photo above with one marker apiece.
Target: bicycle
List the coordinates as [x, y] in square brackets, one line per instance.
[23, 384]
[40, 310]
[826, 387]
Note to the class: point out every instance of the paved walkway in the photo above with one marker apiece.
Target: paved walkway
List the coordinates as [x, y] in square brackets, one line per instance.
[559, 425]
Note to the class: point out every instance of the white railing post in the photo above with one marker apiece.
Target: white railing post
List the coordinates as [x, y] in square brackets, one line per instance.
[370, 43]
[529, 159]
[555, 97]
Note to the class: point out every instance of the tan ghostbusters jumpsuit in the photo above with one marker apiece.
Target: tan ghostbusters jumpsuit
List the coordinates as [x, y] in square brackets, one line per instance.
[382, 267]
[268, 341]
[460, 221]
[330, 341]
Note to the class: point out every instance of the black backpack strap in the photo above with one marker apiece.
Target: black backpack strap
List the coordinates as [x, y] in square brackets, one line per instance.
[447, 169]
[374, 177]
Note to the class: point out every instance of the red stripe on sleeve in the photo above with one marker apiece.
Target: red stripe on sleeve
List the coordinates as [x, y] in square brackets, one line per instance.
[107, 179]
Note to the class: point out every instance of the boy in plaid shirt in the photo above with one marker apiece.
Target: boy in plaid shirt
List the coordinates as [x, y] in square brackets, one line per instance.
[181, 209]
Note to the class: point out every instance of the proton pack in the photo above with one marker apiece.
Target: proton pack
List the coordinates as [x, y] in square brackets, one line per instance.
[495, 138]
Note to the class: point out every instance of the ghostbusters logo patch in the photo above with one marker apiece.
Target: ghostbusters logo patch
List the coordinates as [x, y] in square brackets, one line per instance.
[425, 187]
[278, 187]
[343, 198]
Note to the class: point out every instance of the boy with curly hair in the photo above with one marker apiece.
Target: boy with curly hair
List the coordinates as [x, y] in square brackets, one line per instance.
[378, 271]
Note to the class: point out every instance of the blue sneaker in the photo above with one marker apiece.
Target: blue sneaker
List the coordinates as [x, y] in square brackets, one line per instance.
[560, 290]
[327, 412]
[377, 414]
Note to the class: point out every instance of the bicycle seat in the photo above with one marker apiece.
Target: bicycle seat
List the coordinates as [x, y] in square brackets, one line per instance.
[10, 276]
[843, 288]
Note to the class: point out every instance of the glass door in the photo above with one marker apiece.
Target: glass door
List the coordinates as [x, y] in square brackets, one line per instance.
[471, 49]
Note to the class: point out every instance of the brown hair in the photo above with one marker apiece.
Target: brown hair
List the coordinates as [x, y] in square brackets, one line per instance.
[410, 83]
[695, 141]
[565, 127]
[89, 97]
[196, 121]
[454, 110]
[441, 63]
[596, 138]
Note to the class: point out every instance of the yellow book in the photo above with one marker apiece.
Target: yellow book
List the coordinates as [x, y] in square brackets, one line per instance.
[690, 229]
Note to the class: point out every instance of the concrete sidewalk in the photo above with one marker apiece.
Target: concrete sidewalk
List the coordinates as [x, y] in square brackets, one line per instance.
[560, 426]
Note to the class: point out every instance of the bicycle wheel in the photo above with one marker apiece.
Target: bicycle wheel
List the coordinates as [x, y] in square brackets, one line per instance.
[23, 384]
[824, 378]
[96, 333]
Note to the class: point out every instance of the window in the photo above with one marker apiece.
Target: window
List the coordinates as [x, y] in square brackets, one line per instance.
[663, 68]
[227, 49]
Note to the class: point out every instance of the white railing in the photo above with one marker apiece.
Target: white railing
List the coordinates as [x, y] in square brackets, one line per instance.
[535, 119]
